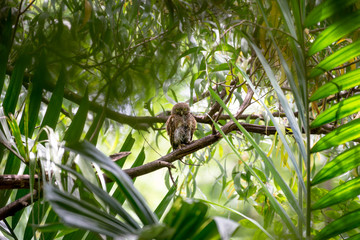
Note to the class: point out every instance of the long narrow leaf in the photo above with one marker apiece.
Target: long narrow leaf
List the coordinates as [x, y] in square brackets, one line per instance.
[326, 9]
[291, 198]
[276, 125]
[342, 134]
[344, 82]
[336, 59]
[80, 214]
[242, 215]
[287, 109]
[160, 209]
[111, 202]
[89, 152]
[13, 91]
[338, 111]
[339, 29]
[340, 225]
[76, 127]
[5, 44]
[344, 162]
[54, 107]
[341, 193]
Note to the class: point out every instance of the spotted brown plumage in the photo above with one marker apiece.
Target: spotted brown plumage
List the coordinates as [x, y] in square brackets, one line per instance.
[180, 126]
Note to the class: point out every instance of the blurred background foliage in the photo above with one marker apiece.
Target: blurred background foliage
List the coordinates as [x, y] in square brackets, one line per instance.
[108, 72]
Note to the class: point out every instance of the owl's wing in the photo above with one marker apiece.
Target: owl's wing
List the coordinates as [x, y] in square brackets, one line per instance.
[170, 128]
[192, 124]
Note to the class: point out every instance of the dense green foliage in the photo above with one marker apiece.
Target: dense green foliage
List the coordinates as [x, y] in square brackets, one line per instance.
[273, 85]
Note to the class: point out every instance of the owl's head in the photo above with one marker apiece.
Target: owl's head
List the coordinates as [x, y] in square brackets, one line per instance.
[180, 109]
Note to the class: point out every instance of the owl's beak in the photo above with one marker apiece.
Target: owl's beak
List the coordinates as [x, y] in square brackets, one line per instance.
[182, 112]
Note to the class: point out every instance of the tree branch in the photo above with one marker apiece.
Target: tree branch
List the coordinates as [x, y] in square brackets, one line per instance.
[19, 204]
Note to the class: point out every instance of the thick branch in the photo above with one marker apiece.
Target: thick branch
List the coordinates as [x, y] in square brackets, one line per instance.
[19, 204]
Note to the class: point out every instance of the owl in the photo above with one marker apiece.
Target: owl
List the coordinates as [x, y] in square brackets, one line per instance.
[180, 126]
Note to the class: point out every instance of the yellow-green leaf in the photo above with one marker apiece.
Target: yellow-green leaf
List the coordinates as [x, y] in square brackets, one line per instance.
[343, 134]
[344, 162]
[339, 57]
[339, 194]
[344, 82]
[340, 225]
[340, 110]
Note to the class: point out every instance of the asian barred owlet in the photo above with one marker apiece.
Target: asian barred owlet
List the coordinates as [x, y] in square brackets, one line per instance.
[180, 126]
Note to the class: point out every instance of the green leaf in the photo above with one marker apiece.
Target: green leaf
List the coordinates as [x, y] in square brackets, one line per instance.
[326, 9]
[185, 218]
[279, 180]
[344, 162]
[54, 107]
[344, 82]
[340, 225]
[13, 91]
[41, 75]
[89, 152]
[283, 100]
[94, 130]
[342, 134]
[15, 129]
[106, 198]
[5, 45]
[76, 127]
[279, 130]
[354, 237]
[225, 227]
[341, 193]
[80, 214]
[160, 209]
[138, 162]
[254, 222]
[190, 51]
[341, 56]
[221, 67]
[338, 111]
[127, 146]
[336, 31]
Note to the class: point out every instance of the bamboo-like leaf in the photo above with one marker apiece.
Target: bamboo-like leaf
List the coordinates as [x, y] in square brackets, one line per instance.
[13, 91]
[127, 146]
[342, 134]
[341, 193]
[354, 237]
[106, 198]
[76, 127]
[190, 51]
[338, 111]
[80, 214]
[225, 228]
[340, 225]
[242, 215]
[94, 130]
[5, 44]
[54, 107]
[336, 31]
[343, 82]
[89, 152]
[344, 162]
[160, 209]
[282, 99]
[279, 180]
[15, 129]
[326, 9]
[138, 162]
[339, 57]
[279, 131]
[185, 218]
